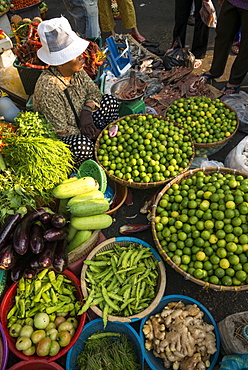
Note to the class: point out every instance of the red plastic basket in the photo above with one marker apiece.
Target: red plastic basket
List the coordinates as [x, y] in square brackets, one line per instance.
[37, 365]
[7, 304]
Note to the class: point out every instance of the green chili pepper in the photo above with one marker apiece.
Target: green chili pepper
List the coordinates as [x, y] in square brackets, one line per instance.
[12, 312]
[42, 274]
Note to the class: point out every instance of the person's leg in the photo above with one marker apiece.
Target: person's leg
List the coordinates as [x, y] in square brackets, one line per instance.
[227, 26]
[92, 25]
[106, 16]
[182, 12]
[107, 113]
[81, 147]
[201, 33]
[127, 12]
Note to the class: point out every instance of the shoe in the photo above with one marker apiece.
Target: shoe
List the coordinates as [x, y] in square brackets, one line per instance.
[191, 20]
[233, 89]
[145, 42]
[207, 77]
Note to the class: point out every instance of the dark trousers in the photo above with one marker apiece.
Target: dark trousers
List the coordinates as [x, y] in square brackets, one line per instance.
[229, 21]
[201, 31]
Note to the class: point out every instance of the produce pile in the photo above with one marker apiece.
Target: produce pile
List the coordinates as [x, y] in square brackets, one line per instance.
[202, 225]
[146, 149]
[5, 5]
[43, 318]
[122, 281]
[20, 4]
[180, 336]
[108, 350]
[33, 162]
[94, 58]
[206, 120]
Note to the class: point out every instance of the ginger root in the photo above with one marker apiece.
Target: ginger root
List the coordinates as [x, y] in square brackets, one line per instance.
[180, 337]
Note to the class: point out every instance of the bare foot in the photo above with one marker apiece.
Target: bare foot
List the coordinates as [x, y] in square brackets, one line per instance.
[230, 89]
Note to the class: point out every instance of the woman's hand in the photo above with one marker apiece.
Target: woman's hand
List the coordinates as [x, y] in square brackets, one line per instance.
[87, 126]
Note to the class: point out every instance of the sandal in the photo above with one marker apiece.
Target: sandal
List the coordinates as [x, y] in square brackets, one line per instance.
[145, 42]
[233, 89]
[207, 77]
[197, 63]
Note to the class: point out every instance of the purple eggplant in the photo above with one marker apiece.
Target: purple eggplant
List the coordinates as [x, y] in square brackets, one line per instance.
[60, 259]
[21, 234]
[8, 228]
[34, 263]
[53, 235]
[21, 265]
[8, 257]
[58, 221]
[46, 256]
[45, 218]
[29, 273]
[36, 243]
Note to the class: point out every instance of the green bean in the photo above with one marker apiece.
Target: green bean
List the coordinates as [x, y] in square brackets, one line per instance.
[109, 302]
[115, 296]
[105, 313]
[107, 277]
[104, 335]
[124, 305]
[86, 306]
[96, 263]
[125, 259]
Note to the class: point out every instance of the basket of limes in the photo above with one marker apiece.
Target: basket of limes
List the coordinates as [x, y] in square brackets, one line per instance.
[200, 227]
[147, 150]
[210, 122]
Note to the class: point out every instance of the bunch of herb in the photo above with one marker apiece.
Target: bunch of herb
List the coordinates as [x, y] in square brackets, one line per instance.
[108, 353]
[41, 162]
[16, 195]
[33, 124]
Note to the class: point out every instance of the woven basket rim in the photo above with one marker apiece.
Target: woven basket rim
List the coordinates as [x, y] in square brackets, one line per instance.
[162, 252]
[215, 143]
[77, 253]
[149, 309]
[142, 185]
[5, 11]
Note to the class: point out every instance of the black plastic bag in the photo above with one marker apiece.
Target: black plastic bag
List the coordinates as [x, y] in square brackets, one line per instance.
[178, 57]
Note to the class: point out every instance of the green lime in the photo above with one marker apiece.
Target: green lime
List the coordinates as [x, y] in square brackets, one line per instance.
[224, 263]
[226, 280]
[233, 259]
[214, 280]
[241, 275]
[219, 272]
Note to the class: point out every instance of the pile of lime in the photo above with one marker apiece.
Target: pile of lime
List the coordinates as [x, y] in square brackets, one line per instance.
[202, 225]
[206, 120]
[146, 149]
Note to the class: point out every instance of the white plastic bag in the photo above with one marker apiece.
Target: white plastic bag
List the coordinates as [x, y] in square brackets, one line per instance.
[200, 162]
[237, 158]
[208, 13]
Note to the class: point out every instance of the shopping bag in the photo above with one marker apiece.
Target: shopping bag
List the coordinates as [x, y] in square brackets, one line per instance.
[208, 13]
[178, 56]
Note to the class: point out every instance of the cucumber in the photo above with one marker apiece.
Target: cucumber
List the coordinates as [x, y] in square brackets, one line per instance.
[70, 189]
[94, 194]
[89, 208]
[80, 237]
[92, 222]
[71, 233]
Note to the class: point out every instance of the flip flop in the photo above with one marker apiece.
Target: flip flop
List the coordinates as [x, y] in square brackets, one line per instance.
[233, 89]
[208, 77]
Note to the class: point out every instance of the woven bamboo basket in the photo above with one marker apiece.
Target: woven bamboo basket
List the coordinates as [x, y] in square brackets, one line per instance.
[187, 276]
[139, 185]
[5, 11]
[125, 241]
[84, 248]
[211, 148]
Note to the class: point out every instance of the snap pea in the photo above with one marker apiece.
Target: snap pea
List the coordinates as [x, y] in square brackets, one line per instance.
[108, 300]
[100, 335]
[105, 313]
[96, 263]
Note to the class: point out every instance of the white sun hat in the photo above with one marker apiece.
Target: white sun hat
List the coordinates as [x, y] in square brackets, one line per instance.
[60, 43]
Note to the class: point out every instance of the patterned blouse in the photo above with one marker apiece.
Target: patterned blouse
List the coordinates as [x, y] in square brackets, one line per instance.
[50, 100]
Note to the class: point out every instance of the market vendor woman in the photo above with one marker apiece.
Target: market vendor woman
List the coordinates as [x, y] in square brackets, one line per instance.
[65, 94]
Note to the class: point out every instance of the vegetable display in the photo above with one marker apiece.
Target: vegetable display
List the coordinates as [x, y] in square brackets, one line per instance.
[146, 149]
[43, 318]
[202, 225]
[122, 281]
[94, 58]
[108, 350]
[206, 120]
[181, 337]
[19, 4]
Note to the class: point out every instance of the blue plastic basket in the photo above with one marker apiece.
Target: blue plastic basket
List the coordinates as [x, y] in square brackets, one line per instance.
[156, 363]
[125, 241]
[95, 326]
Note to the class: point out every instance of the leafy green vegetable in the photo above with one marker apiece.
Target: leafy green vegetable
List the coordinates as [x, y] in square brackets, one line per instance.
[41, 162]
[33, 124]
[108, 354]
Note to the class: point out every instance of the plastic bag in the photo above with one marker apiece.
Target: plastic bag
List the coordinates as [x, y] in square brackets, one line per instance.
[208, 13]
[178, 57]
[200, 162]
[239, 102]
[234, 362]
[237, 158]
